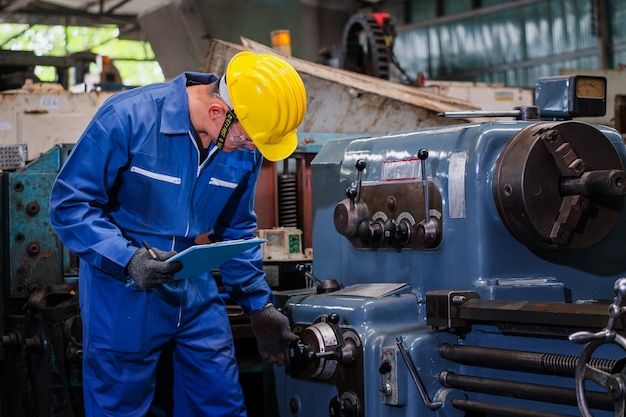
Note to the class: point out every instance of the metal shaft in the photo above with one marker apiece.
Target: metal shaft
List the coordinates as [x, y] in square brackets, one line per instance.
[535, 392]
[595, 184]
[501, 410]
[517, 360]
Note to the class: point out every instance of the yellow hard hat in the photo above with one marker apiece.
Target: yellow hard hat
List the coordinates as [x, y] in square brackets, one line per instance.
[269, 100]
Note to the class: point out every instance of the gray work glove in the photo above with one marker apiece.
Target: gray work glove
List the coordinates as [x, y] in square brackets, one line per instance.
[149, 273]
[273, 334]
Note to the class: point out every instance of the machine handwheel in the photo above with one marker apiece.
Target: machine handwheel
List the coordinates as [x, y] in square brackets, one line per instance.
[615, 384]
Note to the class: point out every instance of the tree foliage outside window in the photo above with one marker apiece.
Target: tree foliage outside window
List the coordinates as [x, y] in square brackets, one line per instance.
[134, 60]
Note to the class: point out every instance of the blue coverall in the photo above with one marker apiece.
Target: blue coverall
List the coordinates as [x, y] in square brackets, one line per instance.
[136, 174]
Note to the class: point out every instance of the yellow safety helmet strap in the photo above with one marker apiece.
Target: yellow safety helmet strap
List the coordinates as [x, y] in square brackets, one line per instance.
[228, 121]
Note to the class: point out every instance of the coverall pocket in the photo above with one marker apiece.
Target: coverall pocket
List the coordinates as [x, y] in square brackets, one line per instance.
[152, 192]
[129, 326]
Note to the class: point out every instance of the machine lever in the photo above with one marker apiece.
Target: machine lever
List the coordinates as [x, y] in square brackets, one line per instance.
[422, 154]
[429, 229]
[349, 213]
[433, 405]
[323, 285]
[354, 191]
[360, 166]
[584, 337]
[330, 354]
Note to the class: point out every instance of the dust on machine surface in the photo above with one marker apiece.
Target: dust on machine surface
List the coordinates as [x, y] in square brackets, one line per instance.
[470, 270]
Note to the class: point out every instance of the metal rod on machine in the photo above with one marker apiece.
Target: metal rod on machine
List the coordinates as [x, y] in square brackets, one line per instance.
[433, 405]
[536, 392]
[520, 113]
[501, 410]
[517, 360]
[422, 154]
[470, 114]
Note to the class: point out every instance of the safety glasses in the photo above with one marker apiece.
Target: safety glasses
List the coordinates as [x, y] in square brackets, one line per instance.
[233, 128]
[238, 136]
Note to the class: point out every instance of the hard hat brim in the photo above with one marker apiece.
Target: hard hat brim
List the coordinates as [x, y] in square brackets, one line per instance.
[280, 150]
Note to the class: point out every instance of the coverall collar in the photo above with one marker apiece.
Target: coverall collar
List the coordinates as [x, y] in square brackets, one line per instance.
[175, 116]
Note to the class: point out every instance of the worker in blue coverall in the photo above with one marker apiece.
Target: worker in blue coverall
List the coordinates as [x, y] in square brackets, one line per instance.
[174, 163]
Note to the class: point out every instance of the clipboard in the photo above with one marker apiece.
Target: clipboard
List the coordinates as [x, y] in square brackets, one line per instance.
[199, 259]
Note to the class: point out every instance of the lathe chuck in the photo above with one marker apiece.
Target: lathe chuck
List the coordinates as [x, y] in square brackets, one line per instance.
[559, 186]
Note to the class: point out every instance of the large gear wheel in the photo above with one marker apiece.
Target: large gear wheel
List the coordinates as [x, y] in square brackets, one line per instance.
[364, 48]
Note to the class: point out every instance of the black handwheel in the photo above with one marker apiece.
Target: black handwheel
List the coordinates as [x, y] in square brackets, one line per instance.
[615, 384]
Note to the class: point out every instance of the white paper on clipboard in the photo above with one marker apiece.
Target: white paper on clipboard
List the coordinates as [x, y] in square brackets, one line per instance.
[199, 259]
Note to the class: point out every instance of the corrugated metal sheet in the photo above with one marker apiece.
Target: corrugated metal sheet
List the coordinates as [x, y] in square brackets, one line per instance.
[617, 13]
[456, 6]
[508, 42]
[423, 11]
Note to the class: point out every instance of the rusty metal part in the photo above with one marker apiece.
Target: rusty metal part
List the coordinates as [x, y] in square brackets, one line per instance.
[373, 58]
[559, 186]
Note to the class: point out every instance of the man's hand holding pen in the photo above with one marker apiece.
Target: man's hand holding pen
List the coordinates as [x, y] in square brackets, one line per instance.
[147, 267]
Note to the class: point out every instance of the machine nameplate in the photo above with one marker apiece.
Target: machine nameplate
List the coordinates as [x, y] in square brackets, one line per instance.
[456, 185]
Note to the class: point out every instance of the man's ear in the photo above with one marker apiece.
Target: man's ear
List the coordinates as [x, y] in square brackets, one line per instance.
[215, 110]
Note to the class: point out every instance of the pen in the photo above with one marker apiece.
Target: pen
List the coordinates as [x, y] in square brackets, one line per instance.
[154, 256]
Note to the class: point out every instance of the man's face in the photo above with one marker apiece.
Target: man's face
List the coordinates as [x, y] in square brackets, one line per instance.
[236, 136]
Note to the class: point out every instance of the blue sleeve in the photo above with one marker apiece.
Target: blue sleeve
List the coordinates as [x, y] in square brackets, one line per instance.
[243, 276]
[81, 194]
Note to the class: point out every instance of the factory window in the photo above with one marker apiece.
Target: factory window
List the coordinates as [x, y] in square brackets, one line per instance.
[66, 54]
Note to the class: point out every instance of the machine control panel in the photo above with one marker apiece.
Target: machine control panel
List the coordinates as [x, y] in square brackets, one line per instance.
[400, 212]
